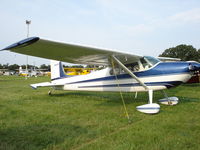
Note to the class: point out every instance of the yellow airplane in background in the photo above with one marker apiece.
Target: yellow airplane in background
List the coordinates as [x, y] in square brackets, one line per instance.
[78, 71]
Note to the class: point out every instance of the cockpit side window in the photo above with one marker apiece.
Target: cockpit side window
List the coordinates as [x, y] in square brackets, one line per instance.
[133, 66]
[117, 70]
[141, 64]
[148, 62]
[145, 63]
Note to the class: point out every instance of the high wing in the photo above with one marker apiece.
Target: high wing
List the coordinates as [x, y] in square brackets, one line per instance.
[77, 54]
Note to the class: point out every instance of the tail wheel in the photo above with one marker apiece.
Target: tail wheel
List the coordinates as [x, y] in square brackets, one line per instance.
[49, 93]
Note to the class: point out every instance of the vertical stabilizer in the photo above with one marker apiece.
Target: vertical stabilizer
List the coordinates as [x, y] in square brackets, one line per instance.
[57, 70]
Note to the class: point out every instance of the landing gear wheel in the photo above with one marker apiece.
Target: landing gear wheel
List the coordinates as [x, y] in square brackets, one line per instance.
[169, 100]
[49, 93]
[151, 108]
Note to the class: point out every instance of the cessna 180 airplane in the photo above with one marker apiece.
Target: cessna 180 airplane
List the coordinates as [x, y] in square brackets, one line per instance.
[124, 72]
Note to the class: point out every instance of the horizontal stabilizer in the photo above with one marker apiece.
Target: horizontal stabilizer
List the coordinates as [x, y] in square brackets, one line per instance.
[44, 84]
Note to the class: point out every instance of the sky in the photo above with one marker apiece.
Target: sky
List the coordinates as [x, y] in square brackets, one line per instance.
[145, 27]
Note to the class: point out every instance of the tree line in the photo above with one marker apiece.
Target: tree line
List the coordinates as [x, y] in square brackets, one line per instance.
[184, 52]
[15, 67]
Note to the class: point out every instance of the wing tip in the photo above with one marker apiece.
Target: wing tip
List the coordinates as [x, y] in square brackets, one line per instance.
[22, 43]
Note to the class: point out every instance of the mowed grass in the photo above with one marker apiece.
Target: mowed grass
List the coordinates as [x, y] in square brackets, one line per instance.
[30, 119]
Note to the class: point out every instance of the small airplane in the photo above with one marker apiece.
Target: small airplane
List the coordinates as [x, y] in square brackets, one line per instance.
[124, 72]
[33, 72]
[23, 72]
[78, 71]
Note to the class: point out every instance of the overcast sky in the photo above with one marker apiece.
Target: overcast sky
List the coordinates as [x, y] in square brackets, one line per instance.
[145, 27]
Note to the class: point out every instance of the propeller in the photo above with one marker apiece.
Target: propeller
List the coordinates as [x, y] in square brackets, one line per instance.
[194, 66]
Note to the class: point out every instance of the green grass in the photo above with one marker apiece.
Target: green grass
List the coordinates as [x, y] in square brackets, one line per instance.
[30, 119]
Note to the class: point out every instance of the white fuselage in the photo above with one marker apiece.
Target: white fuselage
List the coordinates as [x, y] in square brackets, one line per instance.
[102, 80]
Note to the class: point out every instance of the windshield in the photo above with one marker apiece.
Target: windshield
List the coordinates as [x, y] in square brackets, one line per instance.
[151, 60]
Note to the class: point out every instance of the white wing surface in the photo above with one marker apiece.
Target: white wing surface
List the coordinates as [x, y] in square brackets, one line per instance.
[168, 59]
[35, 46]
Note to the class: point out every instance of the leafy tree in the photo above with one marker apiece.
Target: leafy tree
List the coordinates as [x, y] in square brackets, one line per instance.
[13, 67]
[43, 66]
[91, 66]
[5, 66]
[199, 52]
[66, 66]
[76, 66]
[184, 52]
[28, 66]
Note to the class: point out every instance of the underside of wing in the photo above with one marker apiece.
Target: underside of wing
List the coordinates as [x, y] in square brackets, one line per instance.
[34, 46]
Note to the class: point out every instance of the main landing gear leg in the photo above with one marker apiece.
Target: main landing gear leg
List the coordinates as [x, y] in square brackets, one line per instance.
[150, 96]
[136, 95]
[151, 108]
[168, 100]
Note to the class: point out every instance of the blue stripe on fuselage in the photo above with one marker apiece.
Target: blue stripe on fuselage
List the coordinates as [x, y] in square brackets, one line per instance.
[163, 68]
[167, 84]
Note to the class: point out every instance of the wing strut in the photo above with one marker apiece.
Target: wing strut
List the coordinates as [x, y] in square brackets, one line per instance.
[130, 73]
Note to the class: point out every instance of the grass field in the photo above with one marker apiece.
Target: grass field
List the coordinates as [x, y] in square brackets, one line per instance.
[30, 119]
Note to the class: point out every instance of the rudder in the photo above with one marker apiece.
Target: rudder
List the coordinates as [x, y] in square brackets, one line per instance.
[57, 70]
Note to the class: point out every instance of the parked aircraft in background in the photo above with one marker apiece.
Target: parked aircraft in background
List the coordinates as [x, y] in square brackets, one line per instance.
[33, 72]
[24, 72]
[6, 72]
[124, 72]
[78, 71]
